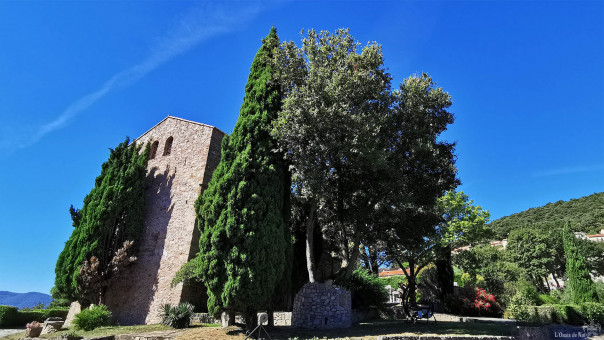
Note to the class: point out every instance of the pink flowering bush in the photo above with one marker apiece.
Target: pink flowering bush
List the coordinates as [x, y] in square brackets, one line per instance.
[482, 303]
[33, 329]
[34, 324]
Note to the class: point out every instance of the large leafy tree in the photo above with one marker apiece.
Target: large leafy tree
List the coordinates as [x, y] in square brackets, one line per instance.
[579, 282]
[463, 223]
[243, 213]
[421, 171]
[112, 214]
[332, 124]
[492, 263]
[530, 249]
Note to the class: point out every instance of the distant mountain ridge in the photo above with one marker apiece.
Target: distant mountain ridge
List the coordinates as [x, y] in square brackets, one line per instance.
[24, 300]
[585, 214]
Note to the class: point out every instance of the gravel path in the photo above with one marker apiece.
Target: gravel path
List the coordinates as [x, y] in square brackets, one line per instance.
[6, 332]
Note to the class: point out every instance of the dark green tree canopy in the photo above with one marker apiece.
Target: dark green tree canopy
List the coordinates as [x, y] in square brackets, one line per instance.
[579, 281]
[113, 212]
[358, 148]
[585, 214]
[242, 214]
[530, 249]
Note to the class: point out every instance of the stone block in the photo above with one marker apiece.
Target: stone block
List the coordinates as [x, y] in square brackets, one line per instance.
[74, 308]
[319, 305]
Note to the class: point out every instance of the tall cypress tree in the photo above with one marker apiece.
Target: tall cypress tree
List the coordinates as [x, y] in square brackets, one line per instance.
[113, 212]
[579, 281]
[243, 213]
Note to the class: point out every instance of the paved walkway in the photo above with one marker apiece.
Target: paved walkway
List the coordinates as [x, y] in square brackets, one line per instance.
[7, 332]
[457, 318]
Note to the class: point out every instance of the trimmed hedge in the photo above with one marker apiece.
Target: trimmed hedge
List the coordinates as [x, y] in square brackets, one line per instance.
[41, 314]
[11, 317]
[568, 314]
[8, 316]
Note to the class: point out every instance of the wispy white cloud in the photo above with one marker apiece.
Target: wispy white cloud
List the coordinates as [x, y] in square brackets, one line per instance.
[199, 24]
[569, 170]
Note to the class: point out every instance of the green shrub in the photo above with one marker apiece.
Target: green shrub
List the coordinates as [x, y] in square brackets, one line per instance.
[533, 314]
[177, 316]
[470, 282]
[93, 317]
[593, 311]
[568, 314]
[548, 299]
[526, 294]
[559, 295]
[600, 290]
[520, 312]
[8, 316]
[366, 289]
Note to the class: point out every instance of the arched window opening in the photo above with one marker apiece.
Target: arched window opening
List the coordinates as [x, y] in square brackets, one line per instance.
[154, 148]
[168, 147]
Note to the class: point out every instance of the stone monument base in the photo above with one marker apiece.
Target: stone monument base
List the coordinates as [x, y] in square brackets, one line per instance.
[323, 306]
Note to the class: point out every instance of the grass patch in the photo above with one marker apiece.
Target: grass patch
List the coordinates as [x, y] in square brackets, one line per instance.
[101, 331]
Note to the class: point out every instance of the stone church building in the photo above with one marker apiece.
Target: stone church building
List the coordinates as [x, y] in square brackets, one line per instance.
[183, 156]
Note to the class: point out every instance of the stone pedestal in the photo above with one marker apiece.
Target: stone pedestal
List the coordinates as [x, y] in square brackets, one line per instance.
[33, 332]
[52, 325]
[321, 305]
[227, 319]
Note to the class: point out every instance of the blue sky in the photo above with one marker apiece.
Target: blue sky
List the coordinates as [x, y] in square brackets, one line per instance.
[526, 79]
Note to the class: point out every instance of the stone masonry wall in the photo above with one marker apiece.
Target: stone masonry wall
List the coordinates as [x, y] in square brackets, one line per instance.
[174, 182]
[321, 305]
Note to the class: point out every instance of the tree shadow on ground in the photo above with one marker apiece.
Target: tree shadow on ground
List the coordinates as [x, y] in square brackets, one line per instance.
[394, 327]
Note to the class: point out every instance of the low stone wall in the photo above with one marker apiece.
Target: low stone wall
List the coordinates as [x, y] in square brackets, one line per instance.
[283, 318]
[204, 318]
[280, 319]
[322, 305]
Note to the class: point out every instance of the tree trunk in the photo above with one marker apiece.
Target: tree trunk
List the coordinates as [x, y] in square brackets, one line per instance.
[350, 265]
[232, 316]
[366, 258]
[412, 290]
[556, 280]
[271, 318]
[547, 285]
[310, 226]
[251, 319]
[411, 284]
[445, 273]
[373, 261]
[369, 256]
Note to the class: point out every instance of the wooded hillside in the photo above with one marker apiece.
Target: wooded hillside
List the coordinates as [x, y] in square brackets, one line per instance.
[585, 214]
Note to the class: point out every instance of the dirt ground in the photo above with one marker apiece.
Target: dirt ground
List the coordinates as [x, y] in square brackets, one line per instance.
[368, 330]
[209, 333]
